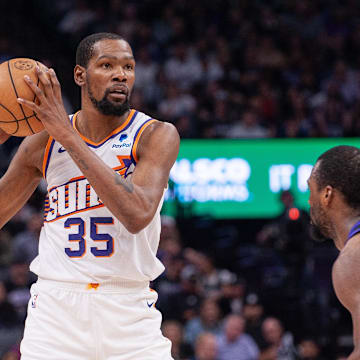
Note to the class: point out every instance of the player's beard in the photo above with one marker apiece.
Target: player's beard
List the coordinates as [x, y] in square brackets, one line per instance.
[316, 233]
[107, 107]
[321, 229]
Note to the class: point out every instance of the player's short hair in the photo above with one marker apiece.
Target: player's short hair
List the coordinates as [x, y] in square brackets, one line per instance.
[85, 49]
[339, 167]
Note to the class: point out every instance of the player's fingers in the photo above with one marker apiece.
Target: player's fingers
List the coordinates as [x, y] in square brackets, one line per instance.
[44, 78]
[37, 91]
[28, 104]
[55, 83]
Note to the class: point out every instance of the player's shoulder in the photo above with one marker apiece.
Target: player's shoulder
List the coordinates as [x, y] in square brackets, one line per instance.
[163, 126]
[347, 261]
[158, 125]
[345, 274]
[161, 135]
[162, 132]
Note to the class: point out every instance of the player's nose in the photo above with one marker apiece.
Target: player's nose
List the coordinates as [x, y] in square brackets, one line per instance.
[119, 74]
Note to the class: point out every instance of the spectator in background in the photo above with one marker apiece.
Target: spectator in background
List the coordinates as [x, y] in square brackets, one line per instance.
[309, 349]
[209, 275]
[11, 326]
[77, 18]
[176, 103]
[169, 286]
[17, 283]
[253, 312]
[279, 345]
[233, 343]
[269, 55]
[170, 242]
[346, 81]
[248, 127]
[267, 104]
[289, 235]
[208, 320]
[185, 126]
[206, 347]
[183, 67]
[26, 243]
[173, 330]
[146, 70]
[184, 305]
[231, 295]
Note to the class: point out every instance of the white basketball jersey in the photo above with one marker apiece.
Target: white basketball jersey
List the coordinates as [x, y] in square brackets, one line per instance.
[81, 240]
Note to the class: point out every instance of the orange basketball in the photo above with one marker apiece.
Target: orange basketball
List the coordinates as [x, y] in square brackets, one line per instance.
[17, 119]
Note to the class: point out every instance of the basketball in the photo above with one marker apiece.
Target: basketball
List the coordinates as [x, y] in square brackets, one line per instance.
[17, 119]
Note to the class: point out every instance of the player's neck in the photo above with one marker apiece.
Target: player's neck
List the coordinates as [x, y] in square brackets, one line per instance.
[96, 126]
[344, 228]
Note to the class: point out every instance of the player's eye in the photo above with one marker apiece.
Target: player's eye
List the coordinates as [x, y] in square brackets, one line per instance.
[106, 65]
[129, 67]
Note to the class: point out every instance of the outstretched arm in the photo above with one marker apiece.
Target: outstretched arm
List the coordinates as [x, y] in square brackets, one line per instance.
[133, 201]
[22, 176]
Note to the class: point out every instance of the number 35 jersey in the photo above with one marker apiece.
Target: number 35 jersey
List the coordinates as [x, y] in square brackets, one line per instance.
[81, 240]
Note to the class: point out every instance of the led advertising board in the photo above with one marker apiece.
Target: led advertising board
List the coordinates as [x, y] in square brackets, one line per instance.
[229, 178]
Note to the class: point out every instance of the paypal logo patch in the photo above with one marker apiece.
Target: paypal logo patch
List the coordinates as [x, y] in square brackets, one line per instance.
[123, 144]
[123, 137]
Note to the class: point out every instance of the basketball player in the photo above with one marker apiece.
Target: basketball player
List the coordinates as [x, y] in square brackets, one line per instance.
[106, 169]
[335, 214]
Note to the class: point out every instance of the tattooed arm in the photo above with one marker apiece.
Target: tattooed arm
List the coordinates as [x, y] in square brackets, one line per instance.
[133, 200]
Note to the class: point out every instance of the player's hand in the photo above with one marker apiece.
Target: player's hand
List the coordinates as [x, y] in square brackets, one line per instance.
[50, 108]
[3, 136]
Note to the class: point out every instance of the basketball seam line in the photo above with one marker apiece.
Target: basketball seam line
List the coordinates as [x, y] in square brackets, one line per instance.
[15, 119]
[17, 123]
[37, 84]
[21, 107]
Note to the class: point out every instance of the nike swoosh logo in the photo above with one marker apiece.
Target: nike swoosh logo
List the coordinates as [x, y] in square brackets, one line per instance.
[61, 150]
[150, 305]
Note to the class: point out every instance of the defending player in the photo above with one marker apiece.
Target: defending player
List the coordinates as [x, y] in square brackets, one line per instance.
[335, 214]
[107, 170]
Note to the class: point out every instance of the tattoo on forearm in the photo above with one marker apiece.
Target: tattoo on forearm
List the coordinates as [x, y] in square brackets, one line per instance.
[129, 187]
[77, 159]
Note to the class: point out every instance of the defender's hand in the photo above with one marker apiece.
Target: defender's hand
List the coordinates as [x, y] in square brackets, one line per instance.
[50, 108]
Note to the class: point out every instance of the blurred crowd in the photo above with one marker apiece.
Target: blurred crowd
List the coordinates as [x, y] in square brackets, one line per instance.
[219, 68]
[216, 69]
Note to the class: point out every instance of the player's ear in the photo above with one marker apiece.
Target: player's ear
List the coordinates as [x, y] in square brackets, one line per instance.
[328, 194]
[79, 75]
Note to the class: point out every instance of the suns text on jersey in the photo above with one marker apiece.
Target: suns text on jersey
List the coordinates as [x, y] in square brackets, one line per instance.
[75, 196]
[78, 195]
